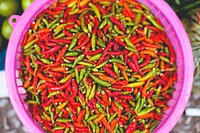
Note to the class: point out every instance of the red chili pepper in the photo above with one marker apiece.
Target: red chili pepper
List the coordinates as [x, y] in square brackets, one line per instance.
[118, 24]
[42, 77]
[52, 50]
[109, 46]
[110, 72]
[57, 88]
[82, 130]
[81, 96]
[83, 43]
[35, 82]
[106, 28]
[129, 11]
[74, 90]
[126, 97]
[100, 100]
[99, 33]
[146, 61]
[131, 127]
[101, 9]
[101, 59]
[71, 58]
[65, 41]
[93, 52]
[61, 54]
[67, 33]
[80, 116]
[96, 25]
[117, 53]
[105, 98]
[120, 42]
[149, 95]
[169, 83]
[46, 104]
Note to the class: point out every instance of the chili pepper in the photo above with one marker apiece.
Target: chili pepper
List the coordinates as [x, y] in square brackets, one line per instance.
[73, 43]
[131, 127]
[92, 92]
[80, 116]
[98, 118]
[150, 18]
[110, 72]
[105, 123]
[169, 83]
[118, 24]
[146, 111]
[96, 10]
[93, 52]
[105, 98]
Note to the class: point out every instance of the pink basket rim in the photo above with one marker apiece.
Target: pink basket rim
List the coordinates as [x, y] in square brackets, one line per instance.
[38, 4]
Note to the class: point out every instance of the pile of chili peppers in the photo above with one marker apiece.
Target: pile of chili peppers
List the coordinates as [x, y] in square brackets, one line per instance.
[97, 66]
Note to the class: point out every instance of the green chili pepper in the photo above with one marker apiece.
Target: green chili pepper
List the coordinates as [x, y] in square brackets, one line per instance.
[116, 69]
[112, 117]
[97, 129]
[45, 21]
[101, 65]
[101, 42]
[92, 93]
[30, 44]
[93, 41]
[77, 75]
[85, 64]
[95, 57]
[164, 59]
[152, 20]
[79, 58]
[99, 81]
[148, 75]
[87, 114]
[138, 17]
[66, 78]
[100, 109]
[142, 103]
[114, 60]
[129, 43]
[32, 102]
[52, 23]
[92, 117]
[93, 126]
[153, 126]
[60, 35]
[148, 66]
[118, 105]
[146, 111]
[82, 72]
[96, 10]
[63, 120]
[84, 27]
[103, 24]
[73, 43]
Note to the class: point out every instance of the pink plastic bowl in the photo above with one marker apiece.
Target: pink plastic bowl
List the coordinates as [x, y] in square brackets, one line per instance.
[174, 30]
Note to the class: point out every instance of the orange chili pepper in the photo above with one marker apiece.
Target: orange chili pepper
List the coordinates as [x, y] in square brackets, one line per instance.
[105, 123]
[125, 74]
[144, 89]
[144, 116]
[121, 66]
[30, 38]
[107, 78]
[138, 40]
[99, 118]
[37, 23]
[59, 69]
[149, 52]
[113, 123]
[27, 83]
